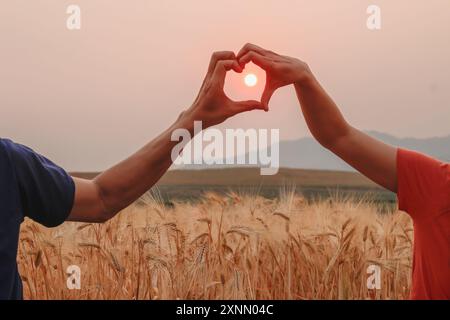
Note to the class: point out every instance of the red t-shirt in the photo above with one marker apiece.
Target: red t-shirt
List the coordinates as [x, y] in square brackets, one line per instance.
[424, 193]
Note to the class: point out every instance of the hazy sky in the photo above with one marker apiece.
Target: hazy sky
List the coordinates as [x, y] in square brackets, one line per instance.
[88, 98]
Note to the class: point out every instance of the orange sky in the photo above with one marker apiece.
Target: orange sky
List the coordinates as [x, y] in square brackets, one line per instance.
[88, 98]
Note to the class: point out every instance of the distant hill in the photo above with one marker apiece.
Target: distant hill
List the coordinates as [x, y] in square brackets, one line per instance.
[307, 153]
[303, 163]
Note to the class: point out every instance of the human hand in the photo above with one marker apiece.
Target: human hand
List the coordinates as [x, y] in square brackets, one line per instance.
[212, 106]
[280, 70]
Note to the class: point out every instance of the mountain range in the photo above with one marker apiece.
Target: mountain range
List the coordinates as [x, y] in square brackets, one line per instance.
[307, 153]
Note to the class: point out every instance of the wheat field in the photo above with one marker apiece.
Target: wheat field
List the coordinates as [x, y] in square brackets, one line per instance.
[224, 247]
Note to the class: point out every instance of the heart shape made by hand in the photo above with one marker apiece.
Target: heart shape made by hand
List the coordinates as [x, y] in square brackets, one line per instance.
[235, 83]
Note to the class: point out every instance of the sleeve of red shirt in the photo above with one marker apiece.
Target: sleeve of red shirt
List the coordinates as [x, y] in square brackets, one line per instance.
[423, 183]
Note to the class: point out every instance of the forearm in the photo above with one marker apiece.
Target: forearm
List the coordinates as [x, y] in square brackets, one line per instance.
[122, 184]
[321, 113]
[371, 157]
[100, 199]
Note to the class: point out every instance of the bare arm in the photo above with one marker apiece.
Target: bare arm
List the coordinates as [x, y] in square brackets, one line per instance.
[373, 158]
[102, 198]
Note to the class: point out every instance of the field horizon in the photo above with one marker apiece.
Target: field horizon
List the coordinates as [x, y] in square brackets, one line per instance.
[191, 184]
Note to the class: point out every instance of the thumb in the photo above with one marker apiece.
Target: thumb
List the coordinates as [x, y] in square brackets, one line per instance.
[266, 95]
[243, 106]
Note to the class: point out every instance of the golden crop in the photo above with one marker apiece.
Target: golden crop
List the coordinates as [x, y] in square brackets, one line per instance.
[224, 247]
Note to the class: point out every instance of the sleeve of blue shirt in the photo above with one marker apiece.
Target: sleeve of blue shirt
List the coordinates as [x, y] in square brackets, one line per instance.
[46, 190]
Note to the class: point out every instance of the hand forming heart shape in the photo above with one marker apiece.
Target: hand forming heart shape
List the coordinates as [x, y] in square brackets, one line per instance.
[281, 70]
[212, 106]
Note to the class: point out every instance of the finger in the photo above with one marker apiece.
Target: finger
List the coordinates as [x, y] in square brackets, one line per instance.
[237, 67]
[244, 106]
[217, 56]
[256, 58]
[250, 47]
[221, 69]
[266, 95]
[220, 55]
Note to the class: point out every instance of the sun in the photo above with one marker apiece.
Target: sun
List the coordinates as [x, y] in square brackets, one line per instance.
[250, 80]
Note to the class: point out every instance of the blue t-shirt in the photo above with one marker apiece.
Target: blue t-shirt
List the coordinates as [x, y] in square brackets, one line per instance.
[30, 186]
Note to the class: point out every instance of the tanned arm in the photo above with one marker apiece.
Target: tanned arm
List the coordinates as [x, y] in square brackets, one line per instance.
[102, 198]
[373, 158]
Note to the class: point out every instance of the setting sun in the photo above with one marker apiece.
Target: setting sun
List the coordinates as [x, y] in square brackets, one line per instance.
[250, 80]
